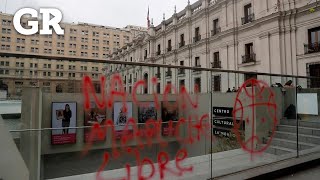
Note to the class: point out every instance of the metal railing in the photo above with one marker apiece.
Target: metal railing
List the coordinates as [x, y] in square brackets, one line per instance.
[311, 48]
[215, 31]
[248, 58]
[216, 64]
[197, 38]
[247, 19]
[181, 44]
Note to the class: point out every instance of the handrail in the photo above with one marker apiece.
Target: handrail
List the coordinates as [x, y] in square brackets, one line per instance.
[149, 65]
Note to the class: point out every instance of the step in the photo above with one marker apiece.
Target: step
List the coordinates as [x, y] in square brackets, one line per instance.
[276, 150]
[293, 137]
[302, 130]
[290, 144]
[293, 122]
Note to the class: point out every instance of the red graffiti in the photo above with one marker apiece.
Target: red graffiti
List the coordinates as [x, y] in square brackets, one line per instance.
[153, 130]
[249, 98]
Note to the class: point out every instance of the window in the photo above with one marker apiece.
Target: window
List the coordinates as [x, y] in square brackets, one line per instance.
[84, 46]
[216, 28]
[248, 14]
[61, 37]
[59, 88]
[106, 42]
[48, 43]
[49, 66]
[72, 46]
[34, 50]
[47, 51]
[35, 42]
[159, 50]
[5, 39]
[19, 72]
[6, 22]
[73, 31]
[96, 48]
[182, 42]
[250, 76]
[72, 38]
[95, 41]
[61, 52]
[95, 54]
[217, 83]
[158, 88]
[60, 44]
[85, 40]
[105, 48]
[216, 60]
[49, 73]
[5, 47]
[181, 84]
[169, 45]
[72, 67]
[249, 54]
[6, 31]
[96, 34]
[315, 72]
[72, 74]
[4, 71]
[106, 35]
[72, 53]
[197, 36]
[59, 74]
[21, 40]
[84, 32]
[197, 85]
[197, 62]
[20, 48]
[313, 40]
[84, 54]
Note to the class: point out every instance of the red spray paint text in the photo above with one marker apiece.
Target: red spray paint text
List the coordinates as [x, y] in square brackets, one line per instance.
[196, 127]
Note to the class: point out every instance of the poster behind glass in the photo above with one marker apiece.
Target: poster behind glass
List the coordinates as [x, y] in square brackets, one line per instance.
[92, 116]
[169, 111]
[147, 113]
[120, 117]
[64, 115]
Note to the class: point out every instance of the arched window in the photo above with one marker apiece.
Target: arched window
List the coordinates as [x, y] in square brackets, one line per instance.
[59, 88]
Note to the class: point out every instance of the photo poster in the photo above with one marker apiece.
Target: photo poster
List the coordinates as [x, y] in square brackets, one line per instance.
[146, 113]
[169, 112]
[92, 116]
[64, 114]
[120, 118]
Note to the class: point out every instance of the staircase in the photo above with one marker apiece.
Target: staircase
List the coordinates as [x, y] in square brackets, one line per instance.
[285, 138]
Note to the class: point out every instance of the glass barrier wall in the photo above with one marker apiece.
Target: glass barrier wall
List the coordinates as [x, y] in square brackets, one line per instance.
[162, 122]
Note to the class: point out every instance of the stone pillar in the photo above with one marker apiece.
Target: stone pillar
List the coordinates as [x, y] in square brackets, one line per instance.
[30, 142]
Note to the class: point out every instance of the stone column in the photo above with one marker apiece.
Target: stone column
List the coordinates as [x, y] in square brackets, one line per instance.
[30, 142]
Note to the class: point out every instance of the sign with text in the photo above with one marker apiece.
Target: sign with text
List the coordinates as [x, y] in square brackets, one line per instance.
[222, 111]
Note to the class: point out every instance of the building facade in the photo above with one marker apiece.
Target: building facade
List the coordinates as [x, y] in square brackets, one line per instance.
[269, 36]
[82, 40]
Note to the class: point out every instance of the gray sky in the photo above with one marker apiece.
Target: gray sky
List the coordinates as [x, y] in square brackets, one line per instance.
[117, 13]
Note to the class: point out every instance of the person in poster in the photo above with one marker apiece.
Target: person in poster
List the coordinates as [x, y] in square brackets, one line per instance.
[92, 116]
[67, 114]
[63, 116]
[168, 112]
[120, 117]
[147, 113]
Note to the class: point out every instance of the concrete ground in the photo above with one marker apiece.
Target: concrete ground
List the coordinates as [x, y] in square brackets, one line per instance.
[309, 174]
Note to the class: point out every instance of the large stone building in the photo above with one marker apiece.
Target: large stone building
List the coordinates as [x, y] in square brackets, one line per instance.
[92, 42]
[269, 36]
